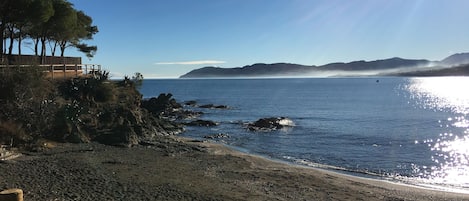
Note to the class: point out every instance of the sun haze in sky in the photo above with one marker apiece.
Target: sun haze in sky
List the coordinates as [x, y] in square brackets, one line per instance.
[161, 38]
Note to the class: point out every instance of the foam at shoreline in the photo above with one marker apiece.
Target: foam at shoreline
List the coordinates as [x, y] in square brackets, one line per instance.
[402, 181]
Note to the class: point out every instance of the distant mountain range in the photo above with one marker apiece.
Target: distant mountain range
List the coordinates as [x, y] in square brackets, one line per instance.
[452, 65]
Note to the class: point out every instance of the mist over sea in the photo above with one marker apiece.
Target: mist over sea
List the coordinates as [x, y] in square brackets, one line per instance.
[412, 130]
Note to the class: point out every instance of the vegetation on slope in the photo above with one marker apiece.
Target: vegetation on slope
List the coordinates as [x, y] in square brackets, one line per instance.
[77, 110]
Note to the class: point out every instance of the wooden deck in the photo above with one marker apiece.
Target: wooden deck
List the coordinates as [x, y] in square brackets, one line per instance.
[57, 71]
[70, 70]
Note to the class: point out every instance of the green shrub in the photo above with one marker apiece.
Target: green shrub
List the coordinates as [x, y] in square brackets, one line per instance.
[14, 81]
[26, 98]
[88, 89]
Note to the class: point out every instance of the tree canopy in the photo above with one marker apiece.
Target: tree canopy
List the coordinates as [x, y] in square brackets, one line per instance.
[45, 23]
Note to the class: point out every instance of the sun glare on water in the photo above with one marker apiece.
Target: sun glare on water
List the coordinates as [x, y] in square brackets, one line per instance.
[451, 148]
[442, 93]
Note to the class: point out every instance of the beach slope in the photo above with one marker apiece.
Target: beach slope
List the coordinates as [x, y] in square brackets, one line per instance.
[174, 168]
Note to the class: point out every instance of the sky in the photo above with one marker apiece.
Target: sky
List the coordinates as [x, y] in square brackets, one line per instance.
[168, 38]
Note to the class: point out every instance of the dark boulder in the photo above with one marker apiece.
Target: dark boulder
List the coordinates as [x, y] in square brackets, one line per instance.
[270, 124]
[166, 107]
[217, 136]
[191, 103]
[221, 107]
[206, 123]
[212, 106]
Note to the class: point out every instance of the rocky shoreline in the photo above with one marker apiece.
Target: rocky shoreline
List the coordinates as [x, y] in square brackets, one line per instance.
[174, 168]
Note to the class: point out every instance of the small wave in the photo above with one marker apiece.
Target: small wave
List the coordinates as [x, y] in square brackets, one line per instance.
[397, 178]
[237, 122]
[356, 172]
[286, 122]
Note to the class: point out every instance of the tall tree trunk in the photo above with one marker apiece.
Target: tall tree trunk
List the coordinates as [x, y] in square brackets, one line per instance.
[36, 46]
[12, 40]
[43, 49]
[20, 39]
[11, 30]
[53, 48]
[63, 45]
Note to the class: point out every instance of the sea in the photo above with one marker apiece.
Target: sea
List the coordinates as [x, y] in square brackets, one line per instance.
[407, 130]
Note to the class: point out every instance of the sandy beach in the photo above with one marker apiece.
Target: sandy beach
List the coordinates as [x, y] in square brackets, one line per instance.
[174, 168]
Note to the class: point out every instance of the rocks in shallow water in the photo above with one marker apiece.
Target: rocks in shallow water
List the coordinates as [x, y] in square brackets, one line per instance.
[217, 136]
[270, 124]
[186, 114]
[166, 107]
[192, 103]
[212, 106]
[199, 122]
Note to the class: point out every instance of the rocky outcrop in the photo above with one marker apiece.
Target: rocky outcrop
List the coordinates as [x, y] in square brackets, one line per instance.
[116, 125]
[82, 110]
[167, 107]
[119, 120]
[130, 126]
[164, 104]
[270, 124]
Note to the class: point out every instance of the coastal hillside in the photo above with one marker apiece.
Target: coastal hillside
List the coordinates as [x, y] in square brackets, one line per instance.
[391, 63]
[460, 70]
[254, 70]
[456, 59]
[391, 66]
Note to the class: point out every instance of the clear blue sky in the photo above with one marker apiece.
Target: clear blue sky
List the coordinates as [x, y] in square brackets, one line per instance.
[167, 38]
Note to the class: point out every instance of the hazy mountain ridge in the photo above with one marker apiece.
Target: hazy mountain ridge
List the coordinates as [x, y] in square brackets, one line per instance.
[255, 70]
[391, 63]
[456, 59]
[391, 66]
[460, 70]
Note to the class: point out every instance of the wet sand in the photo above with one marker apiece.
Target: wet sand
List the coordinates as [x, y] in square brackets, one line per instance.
[181, 169]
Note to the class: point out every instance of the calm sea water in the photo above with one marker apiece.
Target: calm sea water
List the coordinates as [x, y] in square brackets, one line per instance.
[413, 130]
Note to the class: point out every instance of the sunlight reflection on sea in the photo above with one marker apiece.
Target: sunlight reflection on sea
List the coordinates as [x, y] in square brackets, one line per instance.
[451, 148]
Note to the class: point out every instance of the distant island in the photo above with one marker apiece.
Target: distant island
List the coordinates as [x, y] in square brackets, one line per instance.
[454, 65]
